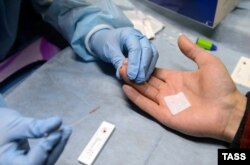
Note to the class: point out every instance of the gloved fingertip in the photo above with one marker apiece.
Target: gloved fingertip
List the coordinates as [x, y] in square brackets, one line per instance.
[118, 74]
[55, 120]
[46, 126]
[40, 151]
[53, 136]
[66, 130]
[153, 64]
[133, 69]
[51, 140]
[149, 73]
[131, 75]
[141, 77]
[155, 52]
[139, 80]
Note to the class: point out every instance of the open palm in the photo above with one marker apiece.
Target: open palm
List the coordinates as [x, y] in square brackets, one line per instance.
[209, 89]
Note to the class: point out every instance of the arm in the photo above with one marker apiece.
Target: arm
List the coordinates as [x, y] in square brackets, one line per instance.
[97, 29]
[216, 106]
[77, 20]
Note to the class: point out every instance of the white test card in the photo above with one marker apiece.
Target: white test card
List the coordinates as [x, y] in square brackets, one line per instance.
[96, 143]
[241, 73]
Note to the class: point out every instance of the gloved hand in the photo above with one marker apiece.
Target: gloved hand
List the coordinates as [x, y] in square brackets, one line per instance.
[15, 130]
[112, 45]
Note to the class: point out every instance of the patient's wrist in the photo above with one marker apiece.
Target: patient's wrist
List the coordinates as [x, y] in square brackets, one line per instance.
[235, 117]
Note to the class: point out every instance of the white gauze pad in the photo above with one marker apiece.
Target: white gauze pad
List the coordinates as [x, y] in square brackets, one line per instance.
[177, 103]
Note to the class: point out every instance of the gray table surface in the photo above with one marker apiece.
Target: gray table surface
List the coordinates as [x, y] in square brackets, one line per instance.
[85, 94]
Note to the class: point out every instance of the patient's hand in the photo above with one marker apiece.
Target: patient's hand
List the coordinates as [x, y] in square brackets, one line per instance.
[217, 107]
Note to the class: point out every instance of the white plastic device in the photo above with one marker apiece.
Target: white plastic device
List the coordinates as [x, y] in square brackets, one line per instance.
[96, 143]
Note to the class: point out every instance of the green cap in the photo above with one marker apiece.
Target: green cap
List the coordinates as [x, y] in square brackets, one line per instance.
[203, 43]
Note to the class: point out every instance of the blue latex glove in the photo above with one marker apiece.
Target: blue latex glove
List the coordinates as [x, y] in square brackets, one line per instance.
[15, 130]
[113, 45]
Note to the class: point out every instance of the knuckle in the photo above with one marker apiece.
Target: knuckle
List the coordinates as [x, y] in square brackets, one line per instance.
[158, 96]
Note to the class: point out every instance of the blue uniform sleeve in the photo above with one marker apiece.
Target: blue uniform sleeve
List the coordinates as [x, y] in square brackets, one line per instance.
[77, 20]
[2, 102]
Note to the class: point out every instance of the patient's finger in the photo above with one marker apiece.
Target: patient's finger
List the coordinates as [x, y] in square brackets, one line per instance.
[155, 82]
[142, 102]
[192, 51]
[145, 89]
[161, 74]
[148, 91]
[123, 73]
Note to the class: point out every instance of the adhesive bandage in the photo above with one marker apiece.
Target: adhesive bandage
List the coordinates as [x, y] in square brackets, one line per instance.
[177, 103]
